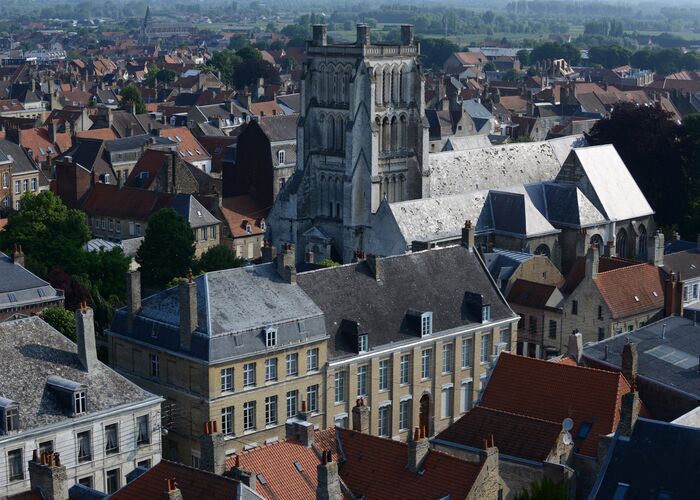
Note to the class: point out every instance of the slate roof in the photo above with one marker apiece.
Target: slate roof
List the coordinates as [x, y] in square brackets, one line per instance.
[432, 280]
[24, 286]
[192, 483]
[566, 205]
[687, 263]
[226, 327]
[136, 142]
[659, 460]
[515, 435]
[468, 142]
[193, 211]
[555, 391]
[20, 161]
[279, 128]
[672, 361]
[31, 351]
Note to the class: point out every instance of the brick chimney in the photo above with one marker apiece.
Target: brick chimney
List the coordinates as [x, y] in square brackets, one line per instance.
[212, 449]
[360, 417]
[85, 329]
[468, 235]
[243, 475]
[286, 264]
[418, 448]
[18, 255]
[269, 252]
[48, 475]
[575, 346]
[592, 260]
[629, 412]
[629, 362]
[133, 293]
[673, 295]
[489, 458]
[172, 492]
[328, 487]
[188, 310]
[375, 265]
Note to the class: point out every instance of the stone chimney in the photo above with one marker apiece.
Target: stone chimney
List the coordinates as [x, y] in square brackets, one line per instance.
[48, 476]
[320, 35]
[408, 34]
[300, 428]
[172, 492]
[418, 448]
[18, 255]
[673, 295]
[468, 235]
[328, 487]
[656, 249]
[489, 458]
[133, 293]
[269, 252]
[629, 362]
[363, 35]
[592, 260]
[575, 346]
[360, 417]
[286, 264]
[375, 265]
[243, 475]
[629, 412]
[188, 310]
[213, 452]
[85, 329]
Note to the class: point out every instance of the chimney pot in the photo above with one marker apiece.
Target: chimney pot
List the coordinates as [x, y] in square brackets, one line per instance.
[468, 235]
[212, 450]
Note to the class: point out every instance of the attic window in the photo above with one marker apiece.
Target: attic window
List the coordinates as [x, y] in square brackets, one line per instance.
[270, 337]
[182, 154]
[178, 138]
[298, 466]
[362, 343]
[655, 294]
[80, 402]
[248, 228]
[262, 224]
[72, 395]
[197, 151]
[189, 152]
[261, 478]
[12, 297]
[485, 313]
[10, 416]
[426, 324]
[199, 213]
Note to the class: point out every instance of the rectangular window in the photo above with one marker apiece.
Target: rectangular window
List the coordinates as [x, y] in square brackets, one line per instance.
[155, 366]
[271, 410]
[341, 421]
[312, 398]
[86, 481]
[249, 375]
[292, 398]
[25, 184]
[213, 232]
[467, 348]
[84, 447]
[80, 402]
[574, 307]
[45, 447]
[227, 421]
[146, 464]
[226, 379]
[11, 419]
[485, 313]
[600, 312]
[131, 228]
[601, 334]
[312, 360]
[405, 369]
[111, 439]
[138, 230]
[363, 343]
[447, 357]
[447, 402]
[339, 385]
[18, 187]
[384, 420]
[270, 337]
[533, 325]
[204, 233]
[485, 347]
[119, 227]
[111, 224]
[466, 396]
[112, 481]
[362, 380]
[292, 364]
[426, 325]
[425, 363]
[249, 416]
[405, 415]
[270, 369]
[33, 184]
[16, 464]
[695, 291]
[143, 430]
[552, 329]
[384, 375]
[504, 337]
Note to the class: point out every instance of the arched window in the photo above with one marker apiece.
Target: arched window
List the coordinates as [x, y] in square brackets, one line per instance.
[330, 143]
[543, 250]
[394, 134]
[395, 84]
[642, 243]
[387, 86]
[378, 122]
[378, 86]
[402, 84]
[621, 244]
[386, 134]
[598, 241]
[322, 83]
[340, 133]
[403, 132]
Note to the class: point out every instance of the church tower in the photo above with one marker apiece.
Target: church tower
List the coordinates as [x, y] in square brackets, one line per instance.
[362, 137]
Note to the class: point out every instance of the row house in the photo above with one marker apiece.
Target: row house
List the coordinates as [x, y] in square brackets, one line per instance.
[18, 175]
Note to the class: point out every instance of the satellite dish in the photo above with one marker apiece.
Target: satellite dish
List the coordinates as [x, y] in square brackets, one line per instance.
[567, 424]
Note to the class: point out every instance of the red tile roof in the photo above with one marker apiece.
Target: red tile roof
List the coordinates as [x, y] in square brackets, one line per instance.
[578, 271]
[530, 293]
[39, 141]
[514, 435]
[189, 148]
[555, 391]
[105, 134]
[192, 483]
[238, 211]
[216, 147]
[471, 58]
[125, 203]
[632, 290]
[266, 108]
[150, 163]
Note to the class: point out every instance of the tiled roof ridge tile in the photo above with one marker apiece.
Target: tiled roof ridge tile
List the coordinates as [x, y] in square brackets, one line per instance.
[519, 415]
[577, 367]
[631, 266]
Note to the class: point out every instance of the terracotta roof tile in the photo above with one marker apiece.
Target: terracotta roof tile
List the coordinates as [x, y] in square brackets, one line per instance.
[239, 211]
[530, 294]
[266, 108]
[189, 148]
[40, 143]
[632, 290]
[514, 435]
[192, 483]
[150, 164]
[555, 391]
[471, 58]
[105, 134]
[578, 271]
[125, 203]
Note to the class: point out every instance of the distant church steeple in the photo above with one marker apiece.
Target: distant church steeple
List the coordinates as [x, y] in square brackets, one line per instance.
[147, 17]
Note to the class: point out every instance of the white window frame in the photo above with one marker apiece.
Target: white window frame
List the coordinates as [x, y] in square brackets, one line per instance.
[405, 369]
[271, 410]
[227, 379]
[426, 324]
[340, 386]
[425, 363]
[312, 398]
[292, 363]
[467, 352]
[270, 369]
[227, 421]
[486, 347]
[447, 357]
[384, 421]
[292, 403]
[384, 374]
[312, 360]
[249, 416]
[362, 377]
[270, 337]
[249, 375]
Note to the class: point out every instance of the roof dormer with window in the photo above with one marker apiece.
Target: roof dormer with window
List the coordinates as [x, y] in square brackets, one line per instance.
[270, 333]
[71, 395]
[9, 416]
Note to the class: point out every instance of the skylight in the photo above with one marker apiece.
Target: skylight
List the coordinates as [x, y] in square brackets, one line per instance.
[674, 356]
[298, 466]
[636, 298]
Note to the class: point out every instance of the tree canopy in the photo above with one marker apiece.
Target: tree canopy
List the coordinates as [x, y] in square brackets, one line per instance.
[61, 319]
[217, 258]
[131, 98]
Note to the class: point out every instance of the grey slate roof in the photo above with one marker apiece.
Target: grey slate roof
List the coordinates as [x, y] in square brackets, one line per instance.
[20, 161]
[279, 127]
[503, 263]
[31, 351]
[433, 280]
[193, 211]
[567, 205]
[234, 306]
[680, 349]
[687, 263]
[659, 460]
[136, 142]
[23, 285]
[468, 142]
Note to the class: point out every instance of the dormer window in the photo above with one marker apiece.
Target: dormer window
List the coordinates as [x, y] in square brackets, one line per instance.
[280, 156]
[9, 411]
[426, 324]
[270, 337]
[80, 402]
[363, 342]
[71, 394]
[263, 226]
[485, 313]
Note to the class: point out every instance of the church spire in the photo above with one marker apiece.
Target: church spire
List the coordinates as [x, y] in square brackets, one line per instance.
[147, 18]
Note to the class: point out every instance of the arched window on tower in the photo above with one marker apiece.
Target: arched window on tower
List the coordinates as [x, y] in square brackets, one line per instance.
[543, 250]
[395, 84]
[642, 243]
[386, 134]
[330, 143]
[394, 133]
[403, 132]
[621, 244]
[387, 86]
[378, 86]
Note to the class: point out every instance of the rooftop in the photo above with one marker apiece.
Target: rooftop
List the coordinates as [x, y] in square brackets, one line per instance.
[20, 286]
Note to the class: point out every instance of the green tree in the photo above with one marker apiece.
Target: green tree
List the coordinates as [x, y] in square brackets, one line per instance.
[546, 489]
[555, 50]
[61, 319]
[523, 56]
[131, 98]
[609, 56]
[217, 258]
[512, 75]
[489, 66]
[167, 249]
[435, 51]
[237, 42]
[249, 52]
[224, 62]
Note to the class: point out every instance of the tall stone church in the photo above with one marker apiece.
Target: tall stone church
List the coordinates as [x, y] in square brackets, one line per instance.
[362, 138]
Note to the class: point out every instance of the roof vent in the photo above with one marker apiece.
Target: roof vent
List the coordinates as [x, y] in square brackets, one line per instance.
[636, 298]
